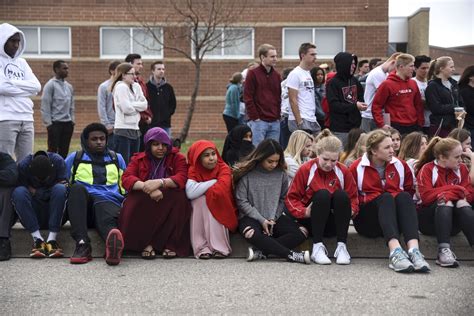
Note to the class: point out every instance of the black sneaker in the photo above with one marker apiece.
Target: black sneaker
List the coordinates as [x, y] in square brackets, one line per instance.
[53, 250]
[39, 249]
[82, 254]
[5, 249]
[300, 257]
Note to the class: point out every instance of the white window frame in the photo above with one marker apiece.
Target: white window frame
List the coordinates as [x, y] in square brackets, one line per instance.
[223, 56]
[48, 56]
[313, 29]
[132, 42]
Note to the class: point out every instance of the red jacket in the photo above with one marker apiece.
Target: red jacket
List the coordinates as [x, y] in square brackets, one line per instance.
[262, 94]
[310, 179]
[139, 169]
[325, 103]
[438, 183]
[147, 113]
[401, 99]
[398, 178]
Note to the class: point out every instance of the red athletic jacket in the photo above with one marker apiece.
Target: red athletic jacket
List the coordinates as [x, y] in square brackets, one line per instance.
[310, 178]
[401, 99]
[438, 183]
[398, 178]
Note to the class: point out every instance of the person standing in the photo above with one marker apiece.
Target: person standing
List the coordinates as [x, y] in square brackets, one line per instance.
[466, 90]
[345, 97]
[105, 105]
[301, 92]
[17, 85]
[129, 102]
[161, 98]
[57, 109]
[262, 96]
[399, 97]
[422, 65]
[231, 112]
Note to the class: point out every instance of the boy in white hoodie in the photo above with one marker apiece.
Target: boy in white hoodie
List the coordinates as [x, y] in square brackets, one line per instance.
[17, 85]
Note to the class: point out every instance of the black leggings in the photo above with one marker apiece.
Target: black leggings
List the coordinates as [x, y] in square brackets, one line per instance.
[230, 122]
[388, 216]
[330, 216]
[445, 221]
[286, 236]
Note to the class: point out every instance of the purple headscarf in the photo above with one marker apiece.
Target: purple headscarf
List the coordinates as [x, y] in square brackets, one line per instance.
[158, 167]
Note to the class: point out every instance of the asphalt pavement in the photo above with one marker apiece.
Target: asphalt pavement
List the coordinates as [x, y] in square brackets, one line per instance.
[231, 286]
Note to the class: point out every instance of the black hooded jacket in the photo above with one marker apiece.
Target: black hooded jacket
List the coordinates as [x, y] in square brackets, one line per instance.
[342, 93]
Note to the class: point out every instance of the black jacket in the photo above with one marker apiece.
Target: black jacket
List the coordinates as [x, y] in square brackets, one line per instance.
[8, 171]
[342, 93]
[162, 102]
[467, 95]
[441, 101]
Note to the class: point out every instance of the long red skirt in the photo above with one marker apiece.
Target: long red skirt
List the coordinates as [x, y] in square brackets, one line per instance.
[163, 224]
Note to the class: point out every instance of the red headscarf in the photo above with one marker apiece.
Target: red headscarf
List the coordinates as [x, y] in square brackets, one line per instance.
[219, 197]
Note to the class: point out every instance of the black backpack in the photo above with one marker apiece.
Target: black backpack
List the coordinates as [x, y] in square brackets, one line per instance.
[78, 160]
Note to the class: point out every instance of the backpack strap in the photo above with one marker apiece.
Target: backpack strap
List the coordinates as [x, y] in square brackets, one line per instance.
[75, 164]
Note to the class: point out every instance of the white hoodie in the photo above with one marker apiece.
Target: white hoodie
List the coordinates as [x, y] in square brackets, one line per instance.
[17, 81]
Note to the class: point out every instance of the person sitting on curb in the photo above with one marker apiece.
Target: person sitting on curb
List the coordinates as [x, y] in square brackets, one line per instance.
[40, 199]
[8, 179]
[96, 195]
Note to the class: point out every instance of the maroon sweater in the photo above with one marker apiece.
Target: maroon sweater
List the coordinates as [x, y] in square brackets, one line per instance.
[262, 94]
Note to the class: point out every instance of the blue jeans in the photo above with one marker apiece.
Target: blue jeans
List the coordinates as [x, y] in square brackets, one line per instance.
[262, 130]
[43, 210]
[126, 146]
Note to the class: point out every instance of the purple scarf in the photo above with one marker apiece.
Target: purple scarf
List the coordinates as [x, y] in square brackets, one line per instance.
[158, 166]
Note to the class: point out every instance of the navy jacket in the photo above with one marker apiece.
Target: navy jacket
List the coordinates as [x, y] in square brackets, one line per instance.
[26, 179]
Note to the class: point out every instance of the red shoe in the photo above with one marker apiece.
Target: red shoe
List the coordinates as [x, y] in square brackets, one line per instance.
[82, 254]
[114, 247]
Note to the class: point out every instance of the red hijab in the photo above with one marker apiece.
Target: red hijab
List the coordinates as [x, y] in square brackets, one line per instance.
[219, 197]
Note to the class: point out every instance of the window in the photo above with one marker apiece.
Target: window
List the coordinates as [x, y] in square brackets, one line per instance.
[231, 43]
[47, 42]
[329, 41]
[118, 42]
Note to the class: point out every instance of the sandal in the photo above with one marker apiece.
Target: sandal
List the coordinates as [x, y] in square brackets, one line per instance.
[168, 254]
[148, 254]
[218, 255]
[205, 256]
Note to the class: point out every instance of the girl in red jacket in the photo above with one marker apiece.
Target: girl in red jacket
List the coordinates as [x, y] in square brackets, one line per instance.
[209, 187]
[385, 185]
[155, 215]
[446, 195]
[323, 196]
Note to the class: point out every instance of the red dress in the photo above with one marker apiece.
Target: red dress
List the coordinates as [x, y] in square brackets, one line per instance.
[163, 224]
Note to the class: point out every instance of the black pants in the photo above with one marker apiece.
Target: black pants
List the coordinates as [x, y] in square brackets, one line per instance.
[404, 130]
[8, 216]
[84, 213]
[230, 122]
[388, 216]
[286, 236]
[59, 137]
[330, 216]
[445, 221]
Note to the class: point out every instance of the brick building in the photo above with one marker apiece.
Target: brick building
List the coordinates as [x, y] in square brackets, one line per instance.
[87, 35]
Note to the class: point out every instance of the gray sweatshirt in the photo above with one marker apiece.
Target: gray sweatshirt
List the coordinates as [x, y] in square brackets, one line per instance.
[105, 107]
[260, 194]
[57, 102]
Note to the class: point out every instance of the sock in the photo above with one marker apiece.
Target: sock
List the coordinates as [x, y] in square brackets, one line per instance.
[412, 249]
[81, 242]
[36, 235]
[391, 252]
[52, 236]
[444, 245]
[340, 243]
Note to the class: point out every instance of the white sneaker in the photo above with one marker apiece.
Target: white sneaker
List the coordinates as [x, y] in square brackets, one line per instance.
[320, 254]
[341, 254]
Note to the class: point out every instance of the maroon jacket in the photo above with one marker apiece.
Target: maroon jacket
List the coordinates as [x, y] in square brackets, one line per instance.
[262, 94]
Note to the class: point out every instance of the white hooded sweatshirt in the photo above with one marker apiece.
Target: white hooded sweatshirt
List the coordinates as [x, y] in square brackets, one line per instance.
[17, 81]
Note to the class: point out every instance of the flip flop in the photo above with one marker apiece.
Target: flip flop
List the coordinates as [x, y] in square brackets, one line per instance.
[168, 254]
[148, 254]
[218, 255]
[205, 256]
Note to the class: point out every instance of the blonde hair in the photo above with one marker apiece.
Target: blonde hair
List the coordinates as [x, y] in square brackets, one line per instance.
[359, 149]
[436, 148]
[404, 59]
[329, 143]
[436, 65]
[296, 145]
[374, 139]
[394, 56]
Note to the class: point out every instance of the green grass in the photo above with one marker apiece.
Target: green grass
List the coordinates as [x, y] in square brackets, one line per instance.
[41, 144]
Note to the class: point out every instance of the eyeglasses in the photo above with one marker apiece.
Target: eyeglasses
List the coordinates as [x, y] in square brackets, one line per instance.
[130, 73]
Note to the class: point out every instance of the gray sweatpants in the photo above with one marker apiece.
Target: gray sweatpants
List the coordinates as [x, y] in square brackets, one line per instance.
[16, 138]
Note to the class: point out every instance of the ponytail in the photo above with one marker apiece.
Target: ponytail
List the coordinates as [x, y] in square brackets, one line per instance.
[436, 148]
[428, 155]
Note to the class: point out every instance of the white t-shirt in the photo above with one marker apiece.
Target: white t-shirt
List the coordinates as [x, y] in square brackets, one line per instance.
[422, 87]
[374, 80]
[285, 101]
[300, 79]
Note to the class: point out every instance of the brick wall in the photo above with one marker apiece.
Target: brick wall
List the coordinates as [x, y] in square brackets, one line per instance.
[366, 36]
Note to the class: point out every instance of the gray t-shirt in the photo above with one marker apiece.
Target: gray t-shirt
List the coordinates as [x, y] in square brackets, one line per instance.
[260, 194]
[381, 171]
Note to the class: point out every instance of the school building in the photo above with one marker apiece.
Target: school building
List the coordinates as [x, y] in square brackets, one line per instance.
[89, 34]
